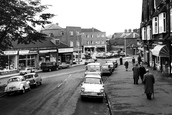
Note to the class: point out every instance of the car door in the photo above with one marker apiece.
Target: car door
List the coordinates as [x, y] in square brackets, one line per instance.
[36, 77]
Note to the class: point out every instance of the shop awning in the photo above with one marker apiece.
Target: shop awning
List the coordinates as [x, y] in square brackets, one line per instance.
[160, 50]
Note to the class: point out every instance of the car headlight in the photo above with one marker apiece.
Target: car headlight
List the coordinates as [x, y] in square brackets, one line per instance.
[82, 89]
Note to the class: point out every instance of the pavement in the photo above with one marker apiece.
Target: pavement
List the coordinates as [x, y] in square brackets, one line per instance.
[126, 98]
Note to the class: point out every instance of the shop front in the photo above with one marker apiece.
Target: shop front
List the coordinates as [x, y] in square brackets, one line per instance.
[160, 58]
[65, 54]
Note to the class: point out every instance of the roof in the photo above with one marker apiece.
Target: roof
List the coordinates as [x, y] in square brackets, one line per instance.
[93, 64]
[90, 30]
[44, 44]
[19, 76]
[30, 74]
[93, 76]
[132, 35]
[52, 27]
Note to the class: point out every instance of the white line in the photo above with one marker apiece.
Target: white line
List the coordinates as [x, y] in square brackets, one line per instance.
[64, 80]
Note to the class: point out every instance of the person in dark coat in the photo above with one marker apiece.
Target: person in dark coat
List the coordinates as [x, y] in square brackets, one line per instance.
[136, 73]
[142, 71]
[139, 59]
[126, 64]
[133, 61]
[149, 82]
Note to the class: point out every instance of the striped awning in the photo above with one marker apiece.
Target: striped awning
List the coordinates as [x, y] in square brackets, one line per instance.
[160, 50]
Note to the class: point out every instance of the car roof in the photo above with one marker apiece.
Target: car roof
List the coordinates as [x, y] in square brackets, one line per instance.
[30, 74]
[92, 76]
[93, 64]
[19, 76]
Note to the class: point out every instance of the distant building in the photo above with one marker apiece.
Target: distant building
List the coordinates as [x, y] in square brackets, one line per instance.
[93, 40]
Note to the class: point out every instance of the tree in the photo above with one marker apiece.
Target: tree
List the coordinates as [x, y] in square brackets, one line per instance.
[18, 19]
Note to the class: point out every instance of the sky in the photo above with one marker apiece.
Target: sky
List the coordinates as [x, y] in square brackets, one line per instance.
[108, 16]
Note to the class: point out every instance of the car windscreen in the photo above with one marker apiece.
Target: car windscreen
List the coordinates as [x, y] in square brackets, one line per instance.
[28, 76]
[92, 80]
[16, 79]
[105, 66]
[93, 68]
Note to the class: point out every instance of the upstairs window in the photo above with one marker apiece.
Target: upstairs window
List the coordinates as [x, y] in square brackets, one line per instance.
[71, 33]
[143, 33]
[162, 22]
[148, 33]
[71, 43]
[171, 19]
[155, 25]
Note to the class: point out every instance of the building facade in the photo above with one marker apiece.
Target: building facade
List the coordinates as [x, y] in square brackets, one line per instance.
[93, 40]
[156, 33]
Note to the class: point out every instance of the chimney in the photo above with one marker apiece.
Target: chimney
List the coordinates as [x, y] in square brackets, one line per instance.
[125, 30]
[57, 23]
[129, 30]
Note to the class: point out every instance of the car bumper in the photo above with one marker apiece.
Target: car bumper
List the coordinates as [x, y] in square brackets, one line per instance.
[92, 95]
[12, 90]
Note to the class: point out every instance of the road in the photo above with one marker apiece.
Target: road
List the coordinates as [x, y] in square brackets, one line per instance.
[58, 95]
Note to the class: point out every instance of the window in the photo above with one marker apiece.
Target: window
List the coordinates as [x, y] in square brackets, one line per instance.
[71, 43]
[77, 43]
[87, 36]
[143, 33]
[77, 32]
[148, 32]
[171, 19]
[103, 35]
[91, 42]
[91, 36]
[71, 33]
[98, 35]
[102, 42]
[162, 22]
[155, 25]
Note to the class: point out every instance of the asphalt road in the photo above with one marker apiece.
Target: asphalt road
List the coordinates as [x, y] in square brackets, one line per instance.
[58, 95]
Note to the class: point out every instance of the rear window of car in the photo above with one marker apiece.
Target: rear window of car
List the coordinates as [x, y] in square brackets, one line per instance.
[105, 66]
[92, 80]
[14, 79]
[50, 63]
[28, 76]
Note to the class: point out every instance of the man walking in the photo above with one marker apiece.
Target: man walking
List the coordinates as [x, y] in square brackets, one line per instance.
[149, 81]
[133, 61]
[126, 65]
[142, 71]
[136, 73]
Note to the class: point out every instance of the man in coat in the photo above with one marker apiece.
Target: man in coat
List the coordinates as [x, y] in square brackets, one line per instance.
[133, 61]
[136, 73]
[126, 65]
[149, 81]
[142, 71]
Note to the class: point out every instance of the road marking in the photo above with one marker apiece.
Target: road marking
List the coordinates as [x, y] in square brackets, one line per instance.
[64, 80]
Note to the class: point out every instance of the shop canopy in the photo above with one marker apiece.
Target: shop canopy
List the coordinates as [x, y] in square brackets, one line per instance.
[160, 50]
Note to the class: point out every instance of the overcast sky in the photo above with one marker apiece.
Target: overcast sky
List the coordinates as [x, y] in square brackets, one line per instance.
[106, 15]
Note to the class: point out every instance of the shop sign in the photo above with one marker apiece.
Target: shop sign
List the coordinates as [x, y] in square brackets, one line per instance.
[64, 50]
[10, 52]
[47, 51]
[77, 49]
[24, 52]
[33, 52]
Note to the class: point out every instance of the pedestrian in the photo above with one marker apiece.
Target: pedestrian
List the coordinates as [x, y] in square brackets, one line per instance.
[133, 61]
[126, 64]
[136, 73]
[139, 59]
[142, 71]
[149, 82]
[121, 60]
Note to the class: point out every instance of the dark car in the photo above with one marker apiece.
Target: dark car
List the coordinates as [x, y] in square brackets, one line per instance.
[106, 69]
[49, 66]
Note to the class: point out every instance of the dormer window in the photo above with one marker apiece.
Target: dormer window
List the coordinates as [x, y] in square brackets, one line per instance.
[155, 25]
[71, 33]
[162, 22]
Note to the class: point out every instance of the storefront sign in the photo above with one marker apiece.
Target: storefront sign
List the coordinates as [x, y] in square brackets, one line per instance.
[64, 50]
[10, 52]
[33, 52]
[47, 51]
[23, 52]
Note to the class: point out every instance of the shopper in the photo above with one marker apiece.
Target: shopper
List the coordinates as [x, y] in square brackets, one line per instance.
[149, 82]
[142, 71]
[126, 64]
[133, 61]
[136, 73]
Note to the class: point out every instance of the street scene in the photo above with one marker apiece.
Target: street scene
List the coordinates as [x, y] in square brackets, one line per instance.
[85, 57]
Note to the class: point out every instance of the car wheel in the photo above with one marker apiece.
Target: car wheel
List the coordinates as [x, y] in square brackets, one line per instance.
[8, 93]
[23, 90]
[49, 69]
[40, 83]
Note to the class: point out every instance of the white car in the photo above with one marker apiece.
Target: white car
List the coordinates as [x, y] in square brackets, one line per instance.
[92, 87]
[26, 70]
[34, 79]
[93, 68]
[17, 84]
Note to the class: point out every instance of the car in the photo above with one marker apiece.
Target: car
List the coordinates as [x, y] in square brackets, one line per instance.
[63, 65]
[92, 87]
[87, 61]
[111, 64]
[34, 79]
[94, 68]
[114, 61]
[26, 70]
[106, 69]
[49, 66]
[17, 84]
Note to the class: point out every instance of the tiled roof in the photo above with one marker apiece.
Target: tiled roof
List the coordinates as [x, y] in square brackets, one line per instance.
[90, 30]
[117, 35]
[132, 35]
[52, 27]
[44, 44]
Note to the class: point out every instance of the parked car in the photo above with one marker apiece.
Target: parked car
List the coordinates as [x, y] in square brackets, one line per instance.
[64, 65]
[92, 87]
[49, 66]
[26, 70]
[111, 64]
[34, 79]
[17, 84]
[87, 61]
[106, 69]
[114, 61]
[93, 68]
